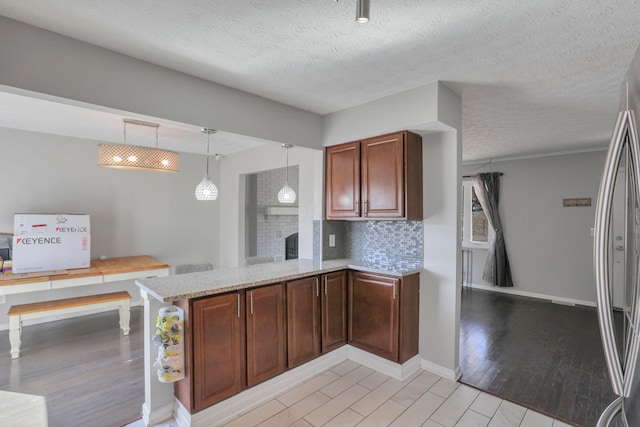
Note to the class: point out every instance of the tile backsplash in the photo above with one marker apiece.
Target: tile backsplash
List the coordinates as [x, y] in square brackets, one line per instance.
[376, 242]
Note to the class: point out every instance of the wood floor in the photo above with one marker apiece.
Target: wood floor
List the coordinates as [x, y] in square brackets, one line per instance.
[542, 355]
[89, 373]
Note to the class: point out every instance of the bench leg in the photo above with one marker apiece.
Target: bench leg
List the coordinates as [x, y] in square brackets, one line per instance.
[125, 316]
[15, 330]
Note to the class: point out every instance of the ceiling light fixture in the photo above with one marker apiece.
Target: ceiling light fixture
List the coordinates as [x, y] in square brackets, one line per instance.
[135, 157]
[286, 193]
[362, 11]
[207, 190]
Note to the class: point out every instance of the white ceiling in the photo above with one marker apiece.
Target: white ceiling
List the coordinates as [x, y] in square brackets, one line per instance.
[534, 76]
[39, 115]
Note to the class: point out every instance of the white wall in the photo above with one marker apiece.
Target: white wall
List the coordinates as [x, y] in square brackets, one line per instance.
[233, 170]
[44, 62]
[407, 110]
[550, 247]
[433, 111]
[132, 212]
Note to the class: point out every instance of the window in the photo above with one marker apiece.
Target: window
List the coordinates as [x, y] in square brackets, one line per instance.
[476, 231]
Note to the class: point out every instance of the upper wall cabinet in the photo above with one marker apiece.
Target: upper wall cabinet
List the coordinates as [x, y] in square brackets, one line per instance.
[376, 178]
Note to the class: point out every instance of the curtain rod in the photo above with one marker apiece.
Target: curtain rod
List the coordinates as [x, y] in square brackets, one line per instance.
[471, 176]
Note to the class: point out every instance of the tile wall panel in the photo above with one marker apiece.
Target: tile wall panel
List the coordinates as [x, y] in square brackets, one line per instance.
[272, 230]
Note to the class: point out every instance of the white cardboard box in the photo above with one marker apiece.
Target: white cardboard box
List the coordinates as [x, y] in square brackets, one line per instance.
[43, 242]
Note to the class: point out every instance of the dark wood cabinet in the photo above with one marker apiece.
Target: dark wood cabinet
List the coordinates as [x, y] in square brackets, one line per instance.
[342, 189]
[334, 310]
[376, 178]
[303, 320]
[266, 333]
[239, 339]
[216, 325]
[384, 315]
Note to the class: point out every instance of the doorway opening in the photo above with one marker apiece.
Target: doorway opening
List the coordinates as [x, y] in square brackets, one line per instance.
[270, 225]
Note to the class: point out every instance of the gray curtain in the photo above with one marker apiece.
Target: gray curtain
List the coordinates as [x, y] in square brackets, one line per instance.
[496, 269]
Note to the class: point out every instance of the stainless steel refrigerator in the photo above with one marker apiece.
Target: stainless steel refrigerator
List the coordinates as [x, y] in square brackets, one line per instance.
[617, 255]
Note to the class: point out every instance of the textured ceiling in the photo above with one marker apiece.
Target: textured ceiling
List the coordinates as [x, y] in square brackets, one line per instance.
[534, 76]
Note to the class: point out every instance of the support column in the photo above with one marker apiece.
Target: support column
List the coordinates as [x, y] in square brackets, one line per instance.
[440, 277]
[158, 397]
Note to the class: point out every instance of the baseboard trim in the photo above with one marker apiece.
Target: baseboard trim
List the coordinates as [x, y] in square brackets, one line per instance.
[387, 367]
[552, 298]
[160, 415]
[230, 408]
[450, 374]
[5, 326]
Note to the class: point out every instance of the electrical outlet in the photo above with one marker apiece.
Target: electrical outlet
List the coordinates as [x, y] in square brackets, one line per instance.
[332, 240]
[3, 299]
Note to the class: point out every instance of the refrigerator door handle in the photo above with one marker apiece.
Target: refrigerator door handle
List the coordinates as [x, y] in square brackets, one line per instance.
[601, 252]
[633, 347]
[610, 412]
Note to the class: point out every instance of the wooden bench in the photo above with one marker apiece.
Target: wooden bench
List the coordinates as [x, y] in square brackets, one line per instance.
[18, 313]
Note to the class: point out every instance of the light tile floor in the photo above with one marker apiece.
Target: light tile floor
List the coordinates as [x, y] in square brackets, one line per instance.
[350, 394]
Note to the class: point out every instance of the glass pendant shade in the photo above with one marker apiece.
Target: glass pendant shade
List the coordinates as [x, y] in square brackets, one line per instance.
[286, 194]
[206, 190]
[135, 157]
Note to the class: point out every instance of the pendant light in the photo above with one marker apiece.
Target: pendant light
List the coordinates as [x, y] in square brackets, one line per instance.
[286, 193]
[135, 157]
[207, 190]
[362, 11]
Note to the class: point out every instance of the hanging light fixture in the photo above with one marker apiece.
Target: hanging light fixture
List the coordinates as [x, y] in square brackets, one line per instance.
[207, 190]
[135, 157]
[286, 193]
[362, 11]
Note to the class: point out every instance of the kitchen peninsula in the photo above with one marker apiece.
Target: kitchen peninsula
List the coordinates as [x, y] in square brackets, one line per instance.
[252, 332]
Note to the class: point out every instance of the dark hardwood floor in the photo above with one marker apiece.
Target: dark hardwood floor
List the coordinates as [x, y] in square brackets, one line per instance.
[542, 355]
[90, 374]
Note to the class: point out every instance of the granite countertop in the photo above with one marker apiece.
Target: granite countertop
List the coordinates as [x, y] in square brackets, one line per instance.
[193, 285]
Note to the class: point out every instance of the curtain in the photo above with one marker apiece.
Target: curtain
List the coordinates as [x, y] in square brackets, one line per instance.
[496, 269]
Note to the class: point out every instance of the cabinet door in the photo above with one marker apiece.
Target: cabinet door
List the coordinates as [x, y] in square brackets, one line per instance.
[383, 186]
[334, 310]
[303, 320]
[373, 307]
[217, 349]
[342, 186]
[266, 336]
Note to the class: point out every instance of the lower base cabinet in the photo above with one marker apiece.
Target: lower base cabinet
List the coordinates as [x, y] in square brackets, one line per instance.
[236, 340]
[233, 341]
[218, 349]
[303, 320]
[333, 300]
[384, 315]
[266, 333]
